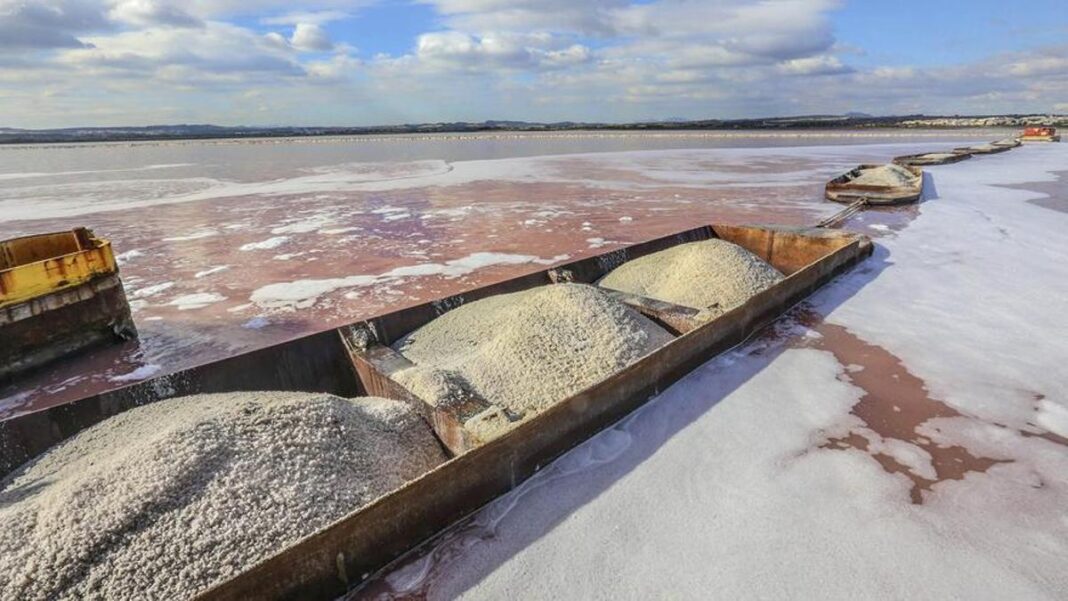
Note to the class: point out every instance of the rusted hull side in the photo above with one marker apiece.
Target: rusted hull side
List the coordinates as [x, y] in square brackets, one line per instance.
[875, 197]
[327, 564]
[42, 329]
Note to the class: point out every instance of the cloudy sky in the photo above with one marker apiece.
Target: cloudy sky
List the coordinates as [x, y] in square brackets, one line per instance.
[357, 62]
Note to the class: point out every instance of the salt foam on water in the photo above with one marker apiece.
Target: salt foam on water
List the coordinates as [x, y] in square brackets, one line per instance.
[165, 500]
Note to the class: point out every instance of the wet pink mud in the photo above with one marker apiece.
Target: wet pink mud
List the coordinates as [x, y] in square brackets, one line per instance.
[216, 277]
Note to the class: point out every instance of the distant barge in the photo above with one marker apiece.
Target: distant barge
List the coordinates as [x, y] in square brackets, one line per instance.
[1040, 134]
[931, 158]
[991, 148]
[1009, 142]
[59, 293]
[855, 185]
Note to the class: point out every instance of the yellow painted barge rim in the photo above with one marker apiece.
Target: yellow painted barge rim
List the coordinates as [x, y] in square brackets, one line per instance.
[39, 265]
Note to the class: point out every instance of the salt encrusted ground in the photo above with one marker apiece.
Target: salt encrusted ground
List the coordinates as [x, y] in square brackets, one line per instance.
[902, 435]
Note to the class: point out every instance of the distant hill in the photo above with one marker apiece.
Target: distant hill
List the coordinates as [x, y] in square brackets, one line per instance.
[206, 131]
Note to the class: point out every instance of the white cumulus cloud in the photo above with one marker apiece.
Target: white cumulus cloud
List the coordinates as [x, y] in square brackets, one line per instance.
[80, 62]
[309, 37]
[152, 12]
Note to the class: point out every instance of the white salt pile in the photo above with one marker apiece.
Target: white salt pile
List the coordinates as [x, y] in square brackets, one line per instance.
[165, 500]
[885, 175]
[713, 275]
[525, 351]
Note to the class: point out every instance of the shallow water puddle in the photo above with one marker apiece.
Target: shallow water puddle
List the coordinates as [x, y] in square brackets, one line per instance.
[1054, 191]
[894, 406]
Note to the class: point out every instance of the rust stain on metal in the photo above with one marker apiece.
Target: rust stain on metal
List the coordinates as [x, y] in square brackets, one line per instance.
[46, 263]
[59, 293]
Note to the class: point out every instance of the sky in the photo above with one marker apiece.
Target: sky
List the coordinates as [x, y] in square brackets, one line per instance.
[66, 63]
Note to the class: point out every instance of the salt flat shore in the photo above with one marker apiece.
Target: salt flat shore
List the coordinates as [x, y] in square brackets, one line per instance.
[903, 434]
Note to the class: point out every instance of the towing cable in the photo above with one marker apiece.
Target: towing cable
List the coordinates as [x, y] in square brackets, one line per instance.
[853, 208]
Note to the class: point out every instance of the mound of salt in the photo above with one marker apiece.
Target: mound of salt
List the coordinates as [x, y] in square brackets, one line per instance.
[885, 175]
[525, 351]
[165, 500]
[713, 275]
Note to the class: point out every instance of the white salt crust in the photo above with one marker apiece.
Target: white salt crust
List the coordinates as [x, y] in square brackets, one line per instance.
[165, 500]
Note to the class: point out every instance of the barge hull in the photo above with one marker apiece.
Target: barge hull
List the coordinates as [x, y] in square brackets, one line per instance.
[45, 328]
[59, 293]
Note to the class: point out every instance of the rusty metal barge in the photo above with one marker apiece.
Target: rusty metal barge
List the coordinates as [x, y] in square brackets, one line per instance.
[59, 293]
[357, 360]
[851, 188]
[931, 158]
[1040, 134]
[991, 148]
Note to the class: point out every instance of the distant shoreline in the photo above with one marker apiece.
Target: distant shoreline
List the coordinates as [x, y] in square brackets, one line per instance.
[885, 132]
[164, 133]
